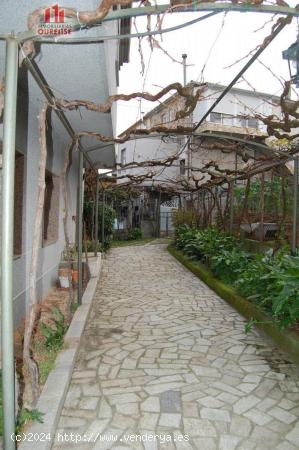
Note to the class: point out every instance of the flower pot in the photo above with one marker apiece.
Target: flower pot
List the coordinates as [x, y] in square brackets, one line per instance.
[75, 277]
[63, 275]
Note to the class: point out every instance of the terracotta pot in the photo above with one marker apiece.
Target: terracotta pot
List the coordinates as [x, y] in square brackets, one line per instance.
[75, 276]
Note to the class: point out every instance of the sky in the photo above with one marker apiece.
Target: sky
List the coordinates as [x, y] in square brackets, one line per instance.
[215, 43]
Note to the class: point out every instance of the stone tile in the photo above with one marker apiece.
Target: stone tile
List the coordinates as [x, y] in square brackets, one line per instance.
[89, 403]
[128, 409]
[215, 414]
[240, 426]
[199, 427]
[258, 417]
[104, 410]
[293, 435]
[228, 398]
[190, 409]
[245, 403]
[205, 443]
[286, 446]
[210, 402]
[282, 415]
[287, 404]
[228, 442]
[151, 404]
[170, 420]
[148, 421]
[123, 398]
[266, 404]
[170, 402]
[206, 371]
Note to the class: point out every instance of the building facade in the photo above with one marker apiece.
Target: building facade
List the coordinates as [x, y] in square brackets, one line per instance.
[87, 72]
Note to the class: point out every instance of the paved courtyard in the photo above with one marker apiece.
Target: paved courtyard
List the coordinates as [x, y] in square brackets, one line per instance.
[166, 361]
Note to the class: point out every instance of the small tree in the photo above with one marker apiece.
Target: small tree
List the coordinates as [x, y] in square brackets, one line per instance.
[109, 217]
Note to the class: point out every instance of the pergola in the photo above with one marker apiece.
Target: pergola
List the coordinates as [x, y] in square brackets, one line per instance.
[92, 154]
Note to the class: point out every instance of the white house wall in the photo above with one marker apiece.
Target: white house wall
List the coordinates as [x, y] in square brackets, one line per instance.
[81, 71]
[141, 150]
[50, 255]
[236, 103]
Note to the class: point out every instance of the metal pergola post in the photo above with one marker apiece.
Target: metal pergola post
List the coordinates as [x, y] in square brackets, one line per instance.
[103, 219]
[295, 207]
[231, 207]
[80, 227]
[96, 232]
[8, 178]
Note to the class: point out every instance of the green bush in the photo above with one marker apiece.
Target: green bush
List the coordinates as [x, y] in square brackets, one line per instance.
[228, 265]
[134, 234]
[90, 246]
[54, 335]
[181, 217]
[271, 281]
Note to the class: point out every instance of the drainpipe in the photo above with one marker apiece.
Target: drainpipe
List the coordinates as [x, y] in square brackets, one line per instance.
[184, 56]
[8, 177]
[96, 238]
[80, 227]
[295, 207]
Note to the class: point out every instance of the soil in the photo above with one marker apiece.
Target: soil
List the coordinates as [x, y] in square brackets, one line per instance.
[56, 297]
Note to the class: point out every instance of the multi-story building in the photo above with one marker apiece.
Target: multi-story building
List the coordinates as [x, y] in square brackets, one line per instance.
[233, 119]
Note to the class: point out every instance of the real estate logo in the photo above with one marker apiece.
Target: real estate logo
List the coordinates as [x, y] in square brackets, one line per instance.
[54, 22]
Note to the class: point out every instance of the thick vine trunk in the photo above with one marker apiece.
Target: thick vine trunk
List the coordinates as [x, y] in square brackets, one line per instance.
[65, 224]
[30, 369]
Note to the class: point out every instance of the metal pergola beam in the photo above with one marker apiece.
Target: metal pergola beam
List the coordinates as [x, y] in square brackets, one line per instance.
[200, 7]
[242, 71]
[161, 9]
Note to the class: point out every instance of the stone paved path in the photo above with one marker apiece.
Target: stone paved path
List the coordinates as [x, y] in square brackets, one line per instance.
[163, 354]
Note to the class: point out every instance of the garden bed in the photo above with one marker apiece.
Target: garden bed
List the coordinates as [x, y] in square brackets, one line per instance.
[287, 340]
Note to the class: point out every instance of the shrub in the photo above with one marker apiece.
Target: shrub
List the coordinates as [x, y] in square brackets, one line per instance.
[54, 335]
[271, 281]
[90, 246]
[134, 234]
[188, 217]
[229, 264]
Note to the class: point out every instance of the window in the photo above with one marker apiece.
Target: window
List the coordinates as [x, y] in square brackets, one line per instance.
[253, 123]
[227, 120]
[51, 209]
[242, 122]
[215, 117]
[163, 118]
[123, 156]
[224, 119]
[18, 200]
[248, 123]
[182, 166]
